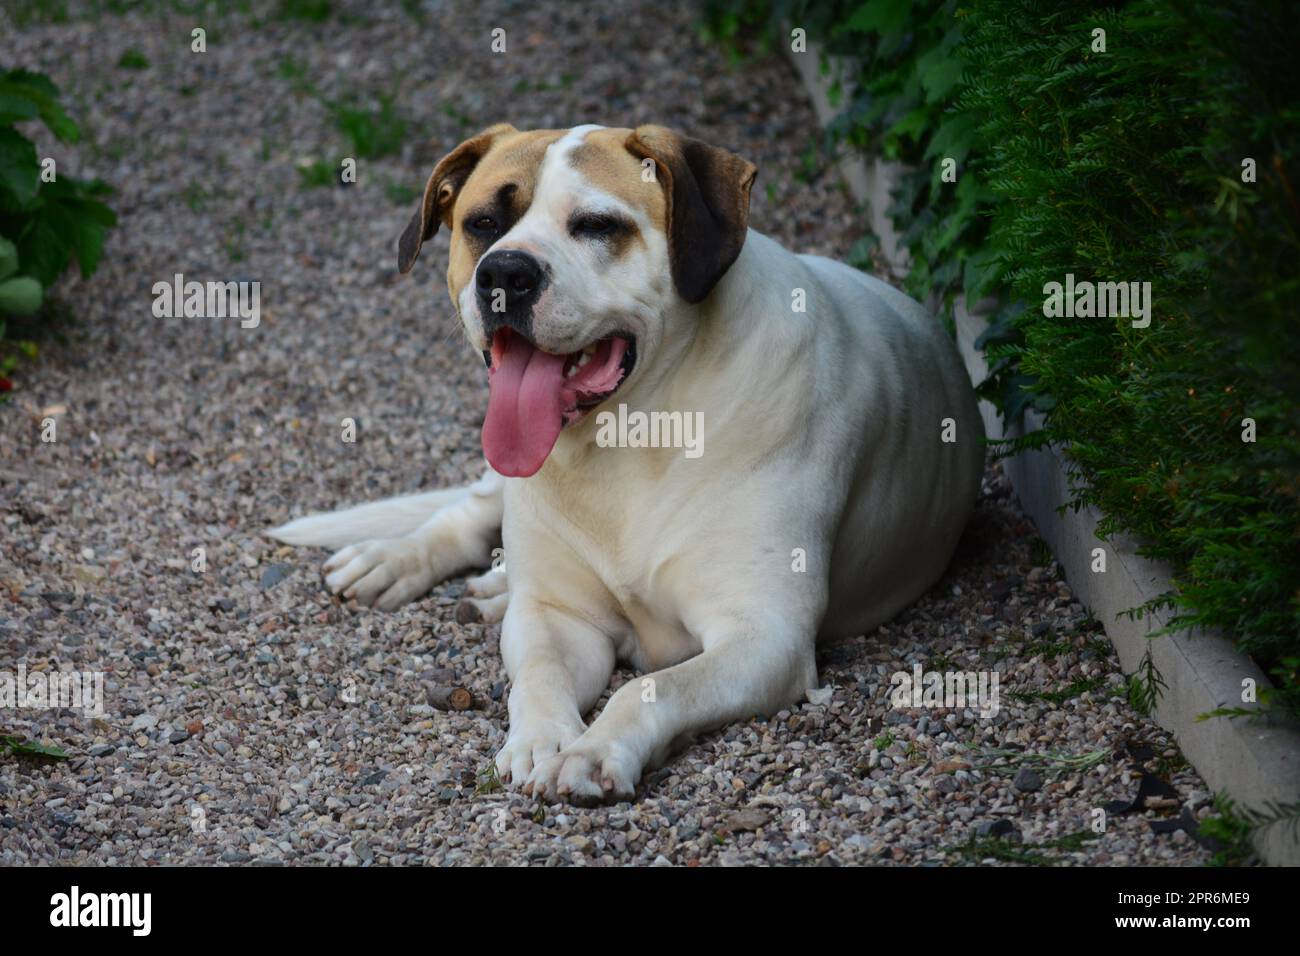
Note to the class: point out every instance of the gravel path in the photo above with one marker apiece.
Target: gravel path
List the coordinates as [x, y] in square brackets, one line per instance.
[250, 717]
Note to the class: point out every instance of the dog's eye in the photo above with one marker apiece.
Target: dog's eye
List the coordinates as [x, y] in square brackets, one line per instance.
[593, 225]
[483, 225]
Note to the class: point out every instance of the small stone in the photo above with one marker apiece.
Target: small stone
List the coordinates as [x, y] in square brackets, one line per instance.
[1003, 828]
[945, 784]
[818, 696]
[1027, 780]
[273, 574]
[747, 821]
[88, 573]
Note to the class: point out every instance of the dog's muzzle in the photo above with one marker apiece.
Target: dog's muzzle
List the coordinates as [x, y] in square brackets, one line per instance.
[508, 283]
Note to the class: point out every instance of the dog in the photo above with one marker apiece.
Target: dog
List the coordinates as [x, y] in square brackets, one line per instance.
[841, 457]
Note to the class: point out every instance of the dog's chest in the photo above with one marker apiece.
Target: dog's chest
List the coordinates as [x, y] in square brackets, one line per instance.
[634, 546]
[648, 600]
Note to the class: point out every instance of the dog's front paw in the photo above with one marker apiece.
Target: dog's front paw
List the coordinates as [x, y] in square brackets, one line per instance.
[532, 744]
[587, 772]
[385, 573]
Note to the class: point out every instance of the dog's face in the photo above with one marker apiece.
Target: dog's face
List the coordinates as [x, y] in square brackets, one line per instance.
[569, 250]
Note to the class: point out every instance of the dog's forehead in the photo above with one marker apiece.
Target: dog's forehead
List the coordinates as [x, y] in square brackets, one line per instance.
[514, 160]
[569, 165]
[603, 161]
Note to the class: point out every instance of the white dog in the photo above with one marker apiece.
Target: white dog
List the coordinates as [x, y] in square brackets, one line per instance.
[841, 450]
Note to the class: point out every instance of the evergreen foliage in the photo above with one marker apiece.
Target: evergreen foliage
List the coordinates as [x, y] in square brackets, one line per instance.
[1117, 165]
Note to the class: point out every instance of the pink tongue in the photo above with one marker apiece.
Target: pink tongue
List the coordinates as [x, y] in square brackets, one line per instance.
[525, 406]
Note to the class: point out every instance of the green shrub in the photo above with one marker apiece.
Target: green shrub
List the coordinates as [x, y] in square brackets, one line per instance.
[44, 224]
[1123, 165]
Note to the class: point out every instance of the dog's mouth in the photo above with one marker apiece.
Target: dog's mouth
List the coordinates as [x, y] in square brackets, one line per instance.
[533, 395]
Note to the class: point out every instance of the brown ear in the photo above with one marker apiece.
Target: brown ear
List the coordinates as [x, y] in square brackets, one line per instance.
[707, 195]
[440, 192]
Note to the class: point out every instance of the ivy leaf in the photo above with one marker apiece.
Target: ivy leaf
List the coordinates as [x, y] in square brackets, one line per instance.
[910, 125]
[940, 72]
[879, 16]
[954, 137]
[1016, 396]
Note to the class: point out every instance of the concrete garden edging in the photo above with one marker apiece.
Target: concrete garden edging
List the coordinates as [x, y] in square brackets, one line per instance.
[1256, 761]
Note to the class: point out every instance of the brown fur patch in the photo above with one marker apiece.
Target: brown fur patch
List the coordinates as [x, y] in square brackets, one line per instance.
[603, 158]
[515, 159]
[707, 194]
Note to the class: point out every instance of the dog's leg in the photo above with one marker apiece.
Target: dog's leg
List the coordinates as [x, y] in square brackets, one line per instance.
[487, 610]
[558, 666]
[388, 572]
[755, 666]
[486, 598]
[488, 585]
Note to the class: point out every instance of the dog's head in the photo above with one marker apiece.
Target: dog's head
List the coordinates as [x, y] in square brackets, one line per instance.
[569, 249]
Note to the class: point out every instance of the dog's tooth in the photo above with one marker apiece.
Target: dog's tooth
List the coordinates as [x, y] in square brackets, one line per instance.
[583, 360]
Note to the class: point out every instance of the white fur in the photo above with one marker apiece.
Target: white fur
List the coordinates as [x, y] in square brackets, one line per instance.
[394, 516]
[822, 437]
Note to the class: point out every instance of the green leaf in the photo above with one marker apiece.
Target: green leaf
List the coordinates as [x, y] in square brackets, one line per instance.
[92, 209]
[46, 246]
[14, 108]
[954, 137]
[879, 16]
[20, 296]
[8, 260]
[19, 170]
[940, 72]
[910, 125]
[29, 748]
[38, 88]
[89, 245]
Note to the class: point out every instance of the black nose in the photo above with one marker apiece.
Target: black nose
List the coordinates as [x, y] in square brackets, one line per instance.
[508, 281]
